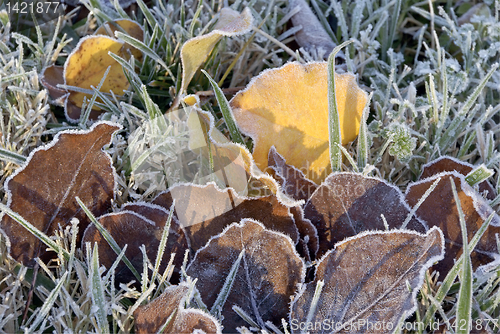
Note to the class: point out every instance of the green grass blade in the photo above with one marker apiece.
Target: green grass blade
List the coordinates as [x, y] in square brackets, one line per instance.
[163, 242]
[452, 274]
[362, 148]
[226, 112]
[86, 114]
[36, 232]
[47, 305]
[112, 243]
[7, 155]
[464, 306]
[218, 305]
[147, 14]
[335, 135]
[143, 48]
[98, 298]
[478, 175]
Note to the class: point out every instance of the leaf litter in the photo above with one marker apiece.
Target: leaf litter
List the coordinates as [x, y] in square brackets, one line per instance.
[282, 191]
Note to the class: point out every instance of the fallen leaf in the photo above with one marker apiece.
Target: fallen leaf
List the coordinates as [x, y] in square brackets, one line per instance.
[43, 191]
[151, 317]
[370, 282]
[196, 50]
[292, 180]
[50, 78]
[132, 28]
[449, 164]
[312, 35]
[204, 211]
[439, 209]
[288, 107]
[86, 66]
[267, 277]
[176, 242]
[346, 204]
[308, 243]
[131, 229]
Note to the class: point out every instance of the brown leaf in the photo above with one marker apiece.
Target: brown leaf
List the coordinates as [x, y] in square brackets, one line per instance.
[176, 242]
[450, 164]
[312, 35]
[346, 204]
[50, 78]
[308, 244]
[292, 180]
[204, 211]
[43, 191]
[439, 209]
[151, 317]
[131, 229]
[267, 277]
[370, 281]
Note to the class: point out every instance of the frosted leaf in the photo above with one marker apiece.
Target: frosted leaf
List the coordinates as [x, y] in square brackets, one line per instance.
[292, 180]
[439, 209]
[131, 229]
[346, 204]
[43, 191]
[151, 317]
[204, 211]
[370, 282]
[176, 242]
[266, 279]
[312, 34]
[449, 164]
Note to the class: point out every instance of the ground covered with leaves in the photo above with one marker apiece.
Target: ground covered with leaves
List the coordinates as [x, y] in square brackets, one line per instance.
[251, 166]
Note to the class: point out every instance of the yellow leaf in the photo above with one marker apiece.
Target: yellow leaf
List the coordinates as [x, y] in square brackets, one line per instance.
[288, 108]
[241, 174]
[130, 27]
[88, 62]
[196, 50]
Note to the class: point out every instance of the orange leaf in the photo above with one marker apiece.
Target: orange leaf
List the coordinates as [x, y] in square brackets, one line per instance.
[86, 66]
[288, 108]
[131, 28]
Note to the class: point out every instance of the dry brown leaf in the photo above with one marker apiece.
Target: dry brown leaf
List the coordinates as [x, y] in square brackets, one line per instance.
[176, 243]
[131, 229]
[50, 78]
[308, 244]
[312, 35]
[292, 180]
[43, 191]
[267, 277]
[450, 164]
[151, 317]
[346, 204]
[288, 107]
[370, 281]
[204, 211]
[439, 209]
